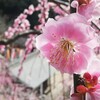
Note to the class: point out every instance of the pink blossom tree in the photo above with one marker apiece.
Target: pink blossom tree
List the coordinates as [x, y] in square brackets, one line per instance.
[69, 41]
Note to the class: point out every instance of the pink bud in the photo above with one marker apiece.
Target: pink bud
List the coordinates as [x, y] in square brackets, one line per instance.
[87, 76]
[22, 16]
[26, 23]
[30, 9]
[25, 11]
[81, 89]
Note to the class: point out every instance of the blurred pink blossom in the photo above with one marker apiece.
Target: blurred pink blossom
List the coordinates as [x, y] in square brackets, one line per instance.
[84, 7]
[8, 34]
[2, 48]
[30, 9]
[22, 16]
[64, 43]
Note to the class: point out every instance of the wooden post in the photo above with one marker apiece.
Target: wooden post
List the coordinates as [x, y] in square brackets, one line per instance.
[78, 81]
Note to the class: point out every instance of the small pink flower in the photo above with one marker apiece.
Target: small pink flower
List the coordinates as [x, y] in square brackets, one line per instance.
[26, 23]
[31, 9]
[2, 48]
[26, 11]
[64, 43]
[22, 16]
[9, 34]
[91, 87]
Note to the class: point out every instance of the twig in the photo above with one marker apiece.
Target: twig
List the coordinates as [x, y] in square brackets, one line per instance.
[13, 39]
[60, 2]
[95, 25]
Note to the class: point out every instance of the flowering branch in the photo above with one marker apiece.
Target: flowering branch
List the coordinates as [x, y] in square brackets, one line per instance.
[10, 41]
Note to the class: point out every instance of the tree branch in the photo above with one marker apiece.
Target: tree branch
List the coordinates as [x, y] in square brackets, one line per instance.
[95, 25]
[13, 39]
[60, 2]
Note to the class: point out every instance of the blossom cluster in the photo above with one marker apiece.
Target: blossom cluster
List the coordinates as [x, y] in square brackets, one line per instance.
[21, 23]
[69, 42]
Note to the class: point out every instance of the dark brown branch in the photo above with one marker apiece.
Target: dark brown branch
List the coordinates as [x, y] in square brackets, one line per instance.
[60, 2]
[95, 25]
[13, 39]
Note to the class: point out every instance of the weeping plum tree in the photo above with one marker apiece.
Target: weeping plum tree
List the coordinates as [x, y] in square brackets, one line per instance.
[67, 34]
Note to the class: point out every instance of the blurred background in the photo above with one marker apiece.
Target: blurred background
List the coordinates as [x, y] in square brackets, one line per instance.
[38, 80]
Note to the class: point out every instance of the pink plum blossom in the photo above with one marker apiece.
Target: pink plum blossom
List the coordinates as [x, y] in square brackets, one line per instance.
[8, 34]
[91, 89]
[22, 16]
[2, 48]
[30, 9]
[84, 7]
[64, 43]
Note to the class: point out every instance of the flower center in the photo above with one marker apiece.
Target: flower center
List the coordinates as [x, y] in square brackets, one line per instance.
[83, 2]
[62, 51]
[66, 45]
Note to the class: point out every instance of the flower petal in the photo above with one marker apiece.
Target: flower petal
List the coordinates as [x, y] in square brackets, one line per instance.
[45, 50]
[85, 50]
[75, 63]
[87, 10]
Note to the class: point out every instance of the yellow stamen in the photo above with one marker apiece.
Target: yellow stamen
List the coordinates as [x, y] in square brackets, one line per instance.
[64, 47]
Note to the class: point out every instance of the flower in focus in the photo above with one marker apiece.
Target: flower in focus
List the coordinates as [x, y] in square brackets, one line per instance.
[64, 43]
[91, 87]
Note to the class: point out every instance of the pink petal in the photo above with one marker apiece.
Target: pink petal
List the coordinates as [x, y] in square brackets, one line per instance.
[93, 43]
[41, 41]
[79, 33]
[45, 50]
[95, 66]
[75, 63]
[87, 10]
[74, 18]
[85, 50]
[93, 95]
[80, 62]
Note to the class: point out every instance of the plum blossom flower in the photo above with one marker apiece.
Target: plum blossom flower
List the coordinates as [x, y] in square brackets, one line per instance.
[91, 87]
[85, 7]
[30, 9]
[64, 43]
